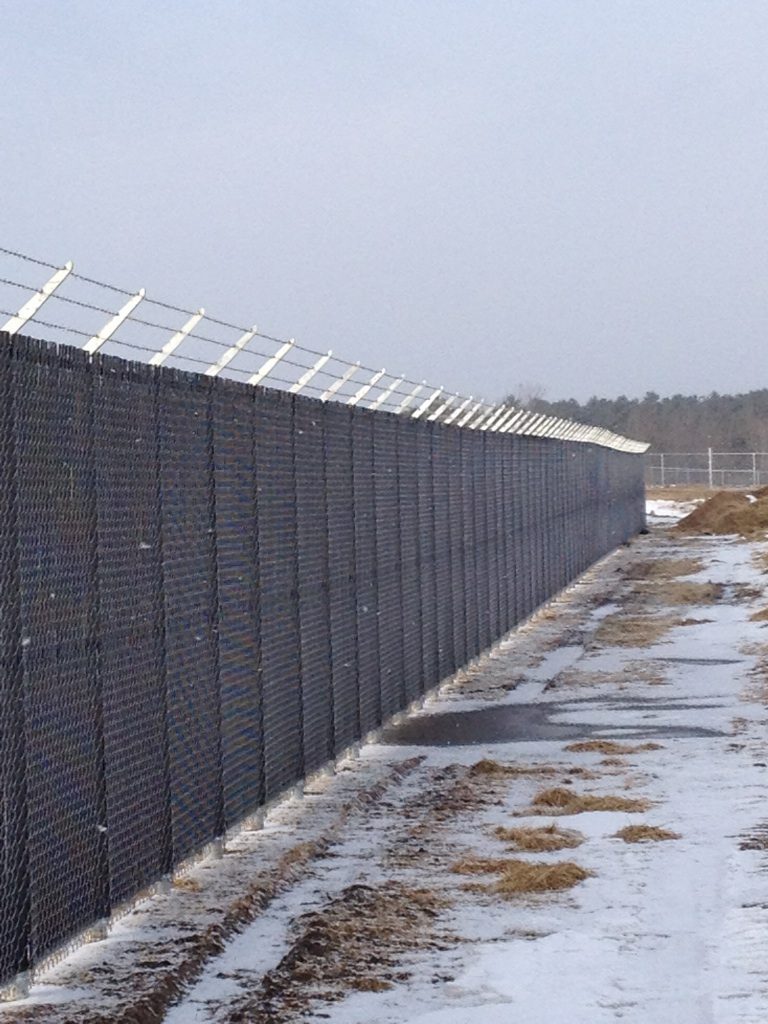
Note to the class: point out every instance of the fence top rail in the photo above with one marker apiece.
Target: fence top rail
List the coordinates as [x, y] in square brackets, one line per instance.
[702, 455]
[100, 317]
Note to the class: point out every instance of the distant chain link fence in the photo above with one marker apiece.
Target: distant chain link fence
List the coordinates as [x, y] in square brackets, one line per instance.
[707, 469]
[210, 589]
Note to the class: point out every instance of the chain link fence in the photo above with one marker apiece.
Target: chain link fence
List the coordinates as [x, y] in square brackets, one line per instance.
[706, 469]
[210, 589]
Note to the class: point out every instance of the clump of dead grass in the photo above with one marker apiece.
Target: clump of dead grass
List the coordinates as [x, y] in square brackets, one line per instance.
[599, 747]
[622, 630]
[545, 839]
[610, 747]
[517, 877]
[186, 884]
[663, 568]
[495, 769]
[645, 834]
[687, 592]
[565, 801]
[761, 616]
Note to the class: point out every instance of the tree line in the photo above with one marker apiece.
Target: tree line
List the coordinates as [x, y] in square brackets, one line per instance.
[680, 423]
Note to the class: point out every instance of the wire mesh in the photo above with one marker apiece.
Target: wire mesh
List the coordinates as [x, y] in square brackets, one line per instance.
[208, 589]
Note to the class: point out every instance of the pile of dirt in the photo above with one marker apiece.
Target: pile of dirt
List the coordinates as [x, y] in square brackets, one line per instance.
[729, 512]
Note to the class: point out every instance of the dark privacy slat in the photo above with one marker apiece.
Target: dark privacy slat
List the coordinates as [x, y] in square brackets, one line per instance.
[209, 589]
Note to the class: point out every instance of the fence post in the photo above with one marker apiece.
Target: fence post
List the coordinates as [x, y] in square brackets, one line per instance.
[709, 468]
[754, 469]
[661, 456]
[15, 919]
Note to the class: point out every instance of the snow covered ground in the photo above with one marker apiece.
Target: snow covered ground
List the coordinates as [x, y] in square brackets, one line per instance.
[662, 511]
[655, 645]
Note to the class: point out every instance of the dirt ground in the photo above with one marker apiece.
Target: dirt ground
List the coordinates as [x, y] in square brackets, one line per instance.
[572, 831]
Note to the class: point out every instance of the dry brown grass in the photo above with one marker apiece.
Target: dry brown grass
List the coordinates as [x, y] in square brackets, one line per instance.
[566, 801]
[613, 762]
[645, 834]
[631, 672]
[187, 884]
[685, 592]
[663, 568]
[517, 877]
[331, 951]
[525, 877]
[622, 630]
[479, 865]
[610, 747]
[300, 853]
[495, 769]
[546, 839]
[583, 773]
[761, 616]
[370, 984]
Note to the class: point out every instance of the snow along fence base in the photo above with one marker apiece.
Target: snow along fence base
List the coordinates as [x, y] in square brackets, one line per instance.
[210, 589]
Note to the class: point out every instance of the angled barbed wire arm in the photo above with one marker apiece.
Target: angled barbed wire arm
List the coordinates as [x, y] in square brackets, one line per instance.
[333, 388]
[363, 391]
[173, 343]
[514, 422]
[469, 414]
[501, 426]
[305, 378]
[106, 332]
[33, 304]
[410, 396]
[435, 416]
[455, 413]
[548, 426]
[486, 413]
[418, 413]
[266, 368]
[215, 368]
[525, 422]
[498, 416]
[390, 389]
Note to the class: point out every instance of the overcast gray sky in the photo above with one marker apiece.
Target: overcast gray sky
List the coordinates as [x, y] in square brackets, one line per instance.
[563, 193]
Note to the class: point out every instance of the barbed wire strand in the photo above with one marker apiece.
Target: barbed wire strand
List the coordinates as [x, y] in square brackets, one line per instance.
[116, 340]
[298, 346]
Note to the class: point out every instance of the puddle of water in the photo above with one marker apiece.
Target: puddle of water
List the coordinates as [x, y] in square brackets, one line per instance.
[519, 723]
